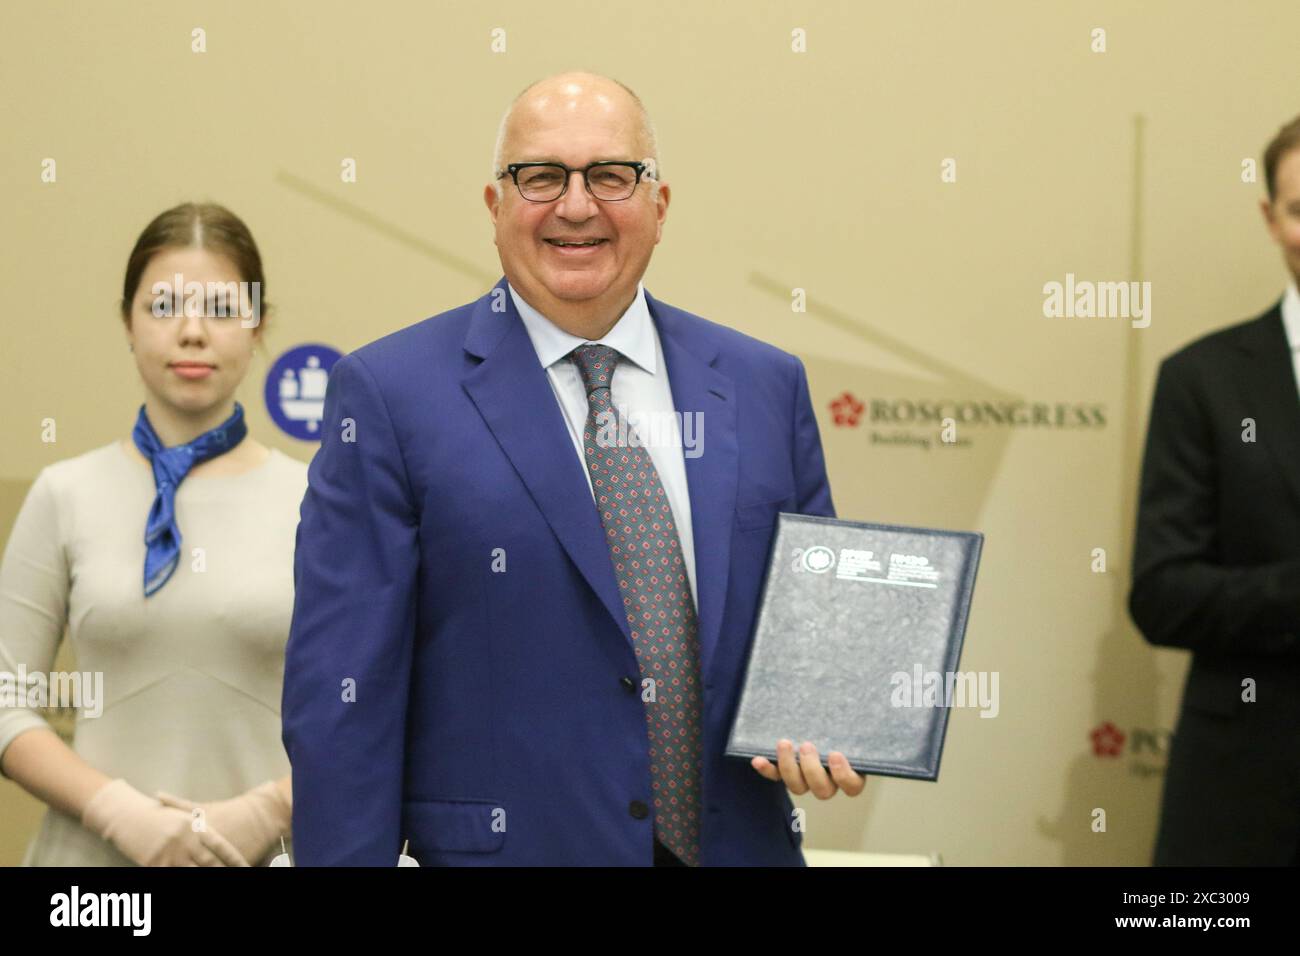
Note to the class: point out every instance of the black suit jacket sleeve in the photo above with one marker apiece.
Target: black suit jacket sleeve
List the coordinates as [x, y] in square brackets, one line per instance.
[1183, 594]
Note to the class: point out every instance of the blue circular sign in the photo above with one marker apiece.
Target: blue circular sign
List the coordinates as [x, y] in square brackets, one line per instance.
[295, 389]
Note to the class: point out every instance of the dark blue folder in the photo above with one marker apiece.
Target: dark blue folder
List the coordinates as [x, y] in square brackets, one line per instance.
[857, 643]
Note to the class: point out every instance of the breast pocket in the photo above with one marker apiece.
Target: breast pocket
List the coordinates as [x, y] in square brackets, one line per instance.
[758, 508]
[463, 826]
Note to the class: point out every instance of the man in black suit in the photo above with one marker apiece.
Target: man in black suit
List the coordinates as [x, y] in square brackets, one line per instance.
[1216, 566]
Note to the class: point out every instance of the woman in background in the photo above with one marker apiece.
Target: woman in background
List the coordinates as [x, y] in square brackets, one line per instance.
[168, 555]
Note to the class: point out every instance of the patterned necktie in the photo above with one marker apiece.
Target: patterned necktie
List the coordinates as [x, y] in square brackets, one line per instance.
[647, 556]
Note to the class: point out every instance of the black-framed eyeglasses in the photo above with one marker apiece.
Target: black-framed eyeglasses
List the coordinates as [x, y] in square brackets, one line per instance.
[607, 180]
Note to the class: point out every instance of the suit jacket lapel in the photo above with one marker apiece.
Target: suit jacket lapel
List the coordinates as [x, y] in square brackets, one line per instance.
[711, 477]
[1270, 385]
[513, 394]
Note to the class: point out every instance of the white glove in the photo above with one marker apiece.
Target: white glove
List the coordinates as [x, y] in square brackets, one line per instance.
[150, 834]
[252, 821]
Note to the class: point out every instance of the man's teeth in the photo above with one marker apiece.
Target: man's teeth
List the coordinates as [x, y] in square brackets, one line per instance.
[589, 242]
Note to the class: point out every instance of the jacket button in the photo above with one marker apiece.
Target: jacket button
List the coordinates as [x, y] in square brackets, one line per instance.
[638, 809]
[628, 684]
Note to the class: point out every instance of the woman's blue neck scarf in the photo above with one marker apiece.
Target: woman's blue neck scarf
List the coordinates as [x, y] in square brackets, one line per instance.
[162, 538]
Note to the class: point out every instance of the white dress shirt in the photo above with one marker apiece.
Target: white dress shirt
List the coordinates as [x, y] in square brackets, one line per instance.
[1291, 322]
[639, 389]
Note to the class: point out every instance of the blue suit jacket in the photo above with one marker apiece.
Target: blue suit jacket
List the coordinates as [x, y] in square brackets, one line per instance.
[494, 717]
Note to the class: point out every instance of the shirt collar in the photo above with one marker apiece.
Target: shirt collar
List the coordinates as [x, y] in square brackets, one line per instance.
[632, 335]
[1291, 314]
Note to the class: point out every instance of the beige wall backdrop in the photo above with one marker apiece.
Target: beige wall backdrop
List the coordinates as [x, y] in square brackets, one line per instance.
[818, 170]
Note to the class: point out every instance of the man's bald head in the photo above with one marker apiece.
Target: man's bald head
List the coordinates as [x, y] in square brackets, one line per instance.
[551, 98]
[576, 258]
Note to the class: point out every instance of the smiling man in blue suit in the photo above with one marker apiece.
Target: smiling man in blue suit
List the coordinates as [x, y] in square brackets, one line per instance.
[532, 546]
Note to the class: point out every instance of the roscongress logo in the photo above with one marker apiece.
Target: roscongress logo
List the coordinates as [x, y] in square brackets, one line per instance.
[848, 411]
[1143, 749]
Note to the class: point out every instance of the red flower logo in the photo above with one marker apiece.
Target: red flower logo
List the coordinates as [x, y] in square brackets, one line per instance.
[846, 409]
[1107, 740]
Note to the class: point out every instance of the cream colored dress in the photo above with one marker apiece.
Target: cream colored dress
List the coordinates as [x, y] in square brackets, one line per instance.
[191, 675]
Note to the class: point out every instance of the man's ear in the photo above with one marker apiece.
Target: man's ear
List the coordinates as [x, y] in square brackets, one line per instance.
[662, 200]
[1270, 221]
[492, 200]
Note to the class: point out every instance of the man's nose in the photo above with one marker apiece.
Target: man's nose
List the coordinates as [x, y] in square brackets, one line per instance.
[576, 203]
